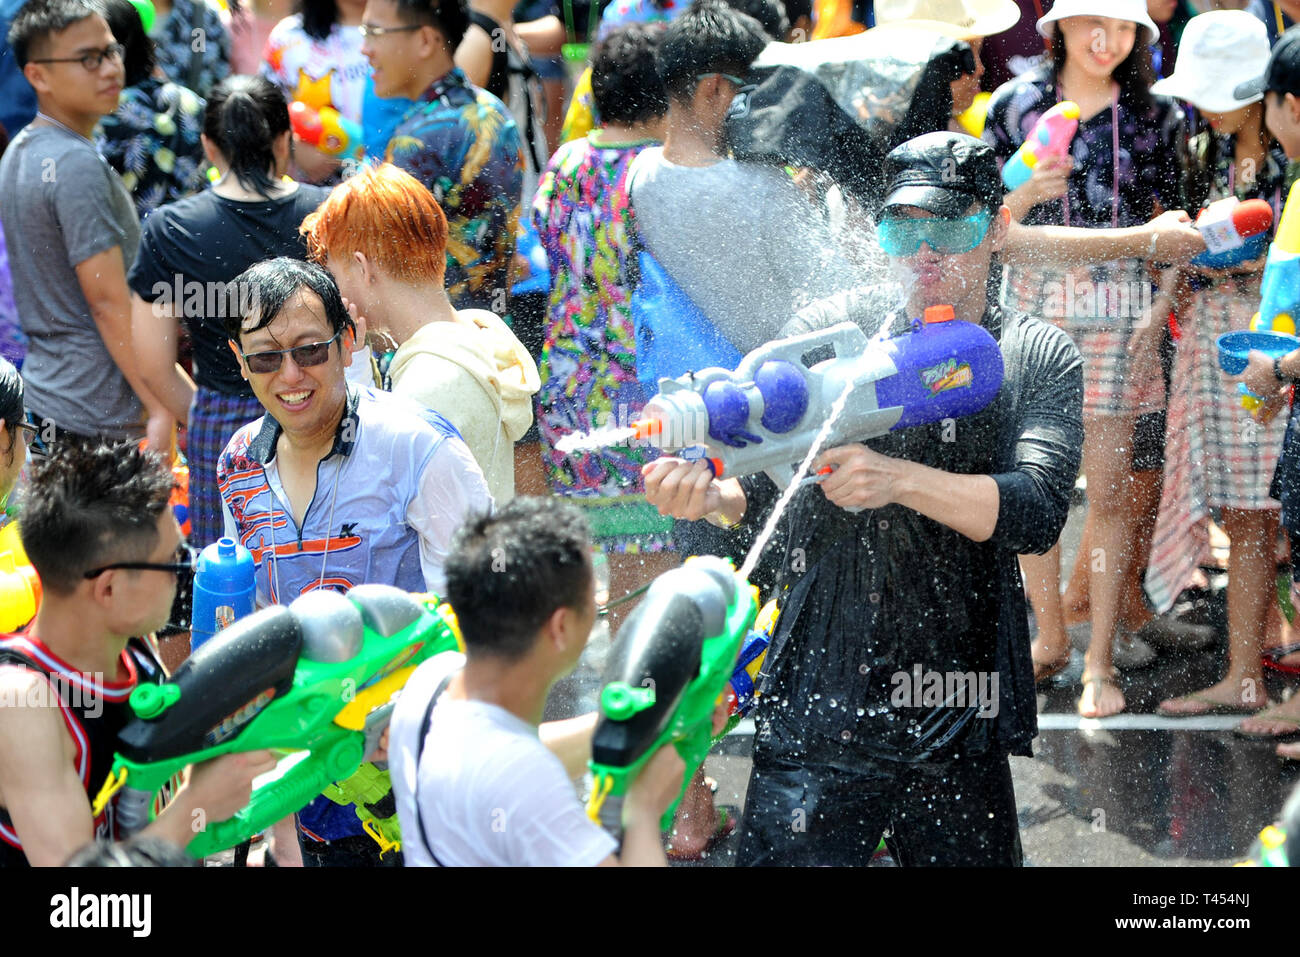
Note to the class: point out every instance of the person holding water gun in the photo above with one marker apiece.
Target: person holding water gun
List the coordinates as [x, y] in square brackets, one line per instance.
[98, 529]
[1215, 460]
[334, 486]
[902, 558]
[478, 782]
[1270, 376]
[1122, 170]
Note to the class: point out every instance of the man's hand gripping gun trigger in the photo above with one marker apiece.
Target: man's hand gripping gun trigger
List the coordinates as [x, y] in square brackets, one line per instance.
[670, 666]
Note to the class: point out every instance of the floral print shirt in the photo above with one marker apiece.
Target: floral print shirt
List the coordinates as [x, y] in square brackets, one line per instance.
[588, 367]
[461, 142]
[176, 43]
[152, 140]
[1110, 184]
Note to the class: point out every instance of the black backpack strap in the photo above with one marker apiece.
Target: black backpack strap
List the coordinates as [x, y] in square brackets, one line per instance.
[499, 78]
[196, 55]
[419, 753]
[635, 245]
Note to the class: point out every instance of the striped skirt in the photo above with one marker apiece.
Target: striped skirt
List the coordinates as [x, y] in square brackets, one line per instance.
[1100, 307]
[1216, 454]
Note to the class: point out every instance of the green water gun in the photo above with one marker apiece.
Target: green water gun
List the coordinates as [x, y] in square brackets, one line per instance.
[670, 665]
[313, 681]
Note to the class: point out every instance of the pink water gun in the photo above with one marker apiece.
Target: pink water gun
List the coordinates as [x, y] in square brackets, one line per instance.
[1049, 139]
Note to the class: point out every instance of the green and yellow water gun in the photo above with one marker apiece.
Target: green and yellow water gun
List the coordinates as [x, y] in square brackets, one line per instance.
[313, 681]
[670, 666]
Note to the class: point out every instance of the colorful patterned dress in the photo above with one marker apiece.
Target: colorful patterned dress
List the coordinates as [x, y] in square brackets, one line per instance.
[461, 142]
[588, 367]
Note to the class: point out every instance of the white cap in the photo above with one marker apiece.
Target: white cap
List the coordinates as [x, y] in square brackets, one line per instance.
[1219, 51]
[959, 19]
[1134, 10]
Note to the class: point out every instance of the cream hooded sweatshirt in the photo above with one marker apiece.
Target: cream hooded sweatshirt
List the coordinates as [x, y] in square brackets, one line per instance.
[477, 374]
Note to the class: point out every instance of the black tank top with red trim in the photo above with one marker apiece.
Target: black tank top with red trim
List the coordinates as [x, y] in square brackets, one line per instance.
[94, 711]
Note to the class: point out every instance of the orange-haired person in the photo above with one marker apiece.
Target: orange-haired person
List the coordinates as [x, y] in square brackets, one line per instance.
[383, 237]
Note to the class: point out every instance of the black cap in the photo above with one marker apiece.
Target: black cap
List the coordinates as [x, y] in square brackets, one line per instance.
[942, 173]
[1283, 70]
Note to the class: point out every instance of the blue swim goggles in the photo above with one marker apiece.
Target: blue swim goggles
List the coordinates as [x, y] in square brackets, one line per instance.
[902, 236]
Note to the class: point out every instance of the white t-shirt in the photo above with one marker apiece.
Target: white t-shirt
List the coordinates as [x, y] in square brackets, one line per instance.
[491, 794]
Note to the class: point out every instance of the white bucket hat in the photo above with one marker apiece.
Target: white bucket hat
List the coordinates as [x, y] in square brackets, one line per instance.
[959, 19]
[1134, 10]
[1219, 51]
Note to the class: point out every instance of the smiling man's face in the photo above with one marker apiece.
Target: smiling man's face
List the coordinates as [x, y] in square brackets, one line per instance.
[307, 400]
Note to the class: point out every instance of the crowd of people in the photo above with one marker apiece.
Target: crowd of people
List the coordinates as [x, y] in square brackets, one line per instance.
[331, 336]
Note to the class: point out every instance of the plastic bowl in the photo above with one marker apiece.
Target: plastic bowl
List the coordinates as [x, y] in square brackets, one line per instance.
[1251, 249]
[1235, 347]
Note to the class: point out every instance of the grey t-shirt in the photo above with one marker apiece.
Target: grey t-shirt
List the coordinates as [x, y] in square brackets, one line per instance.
[61, 204]
[742, 241]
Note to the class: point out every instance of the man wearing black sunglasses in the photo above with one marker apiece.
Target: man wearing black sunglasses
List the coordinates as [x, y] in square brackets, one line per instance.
[334, 486]
[901, 568]
[99, 531]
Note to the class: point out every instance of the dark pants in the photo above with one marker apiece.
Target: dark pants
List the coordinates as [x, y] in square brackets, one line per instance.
[825, 805]
[345, 852]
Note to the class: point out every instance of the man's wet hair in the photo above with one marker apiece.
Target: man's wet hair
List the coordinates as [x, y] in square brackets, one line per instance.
[89, 505]
[29, 34]
[624, 81]
[138, 852]
[449, 17]
[509, 572]
[269, 285]
[770, 14]
[710, 37]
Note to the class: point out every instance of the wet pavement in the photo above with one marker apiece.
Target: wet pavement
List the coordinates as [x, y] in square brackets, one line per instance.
[1137, 789]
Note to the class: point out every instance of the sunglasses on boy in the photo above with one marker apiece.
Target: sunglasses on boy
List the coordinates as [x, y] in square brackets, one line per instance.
[902, 236]
[312, 354]
[187, 559]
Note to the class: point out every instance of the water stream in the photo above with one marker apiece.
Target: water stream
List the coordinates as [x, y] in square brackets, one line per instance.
[770, 526]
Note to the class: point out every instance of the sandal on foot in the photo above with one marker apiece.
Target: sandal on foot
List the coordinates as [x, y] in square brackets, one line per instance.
[1273, 659]
[1268, 735]
[1211, 706]
[728, 815]
[1089, 678]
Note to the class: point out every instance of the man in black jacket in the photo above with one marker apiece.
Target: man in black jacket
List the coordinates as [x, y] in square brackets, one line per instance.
[899, 678]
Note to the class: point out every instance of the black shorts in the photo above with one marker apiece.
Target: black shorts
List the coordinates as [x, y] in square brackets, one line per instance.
[1149, 442]
[821, 804]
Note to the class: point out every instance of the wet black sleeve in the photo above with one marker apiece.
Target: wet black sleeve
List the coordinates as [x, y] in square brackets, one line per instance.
[761, 494]
[1034, 492]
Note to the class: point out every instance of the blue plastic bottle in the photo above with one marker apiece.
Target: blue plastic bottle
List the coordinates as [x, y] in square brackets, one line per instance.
[224, 589]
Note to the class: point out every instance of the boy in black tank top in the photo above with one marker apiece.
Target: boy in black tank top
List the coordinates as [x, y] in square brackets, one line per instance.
[98, 530]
